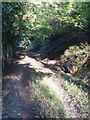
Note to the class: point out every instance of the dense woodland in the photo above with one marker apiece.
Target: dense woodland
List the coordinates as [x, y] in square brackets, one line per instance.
[48, 26]
[58, 31]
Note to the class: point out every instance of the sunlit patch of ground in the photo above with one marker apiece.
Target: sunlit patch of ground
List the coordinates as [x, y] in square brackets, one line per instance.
[79, 92]
[49, 105]
[40, 82]
[35, 91]
[56, 87]
[80, 96]
[35, 64]
[72, 102]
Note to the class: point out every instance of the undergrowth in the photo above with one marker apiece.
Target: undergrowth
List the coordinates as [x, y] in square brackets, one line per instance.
[49, 105]
[78, 85]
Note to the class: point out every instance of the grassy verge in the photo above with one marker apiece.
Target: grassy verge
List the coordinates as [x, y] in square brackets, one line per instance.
[75, 90]
[49, 105]
[78, 85]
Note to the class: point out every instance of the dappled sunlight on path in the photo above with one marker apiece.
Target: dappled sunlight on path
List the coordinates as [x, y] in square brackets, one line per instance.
[69, 105]
[17, 92]
[37, 65]
[18, 99]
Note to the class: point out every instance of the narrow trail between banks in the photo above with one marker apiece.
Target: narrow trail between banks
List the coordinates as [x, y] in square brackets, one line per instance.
[17, 91]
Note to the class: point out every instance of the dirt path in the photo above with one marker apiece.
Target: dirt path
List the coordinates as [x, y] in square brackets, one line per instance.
[55, 85]
[17, 91]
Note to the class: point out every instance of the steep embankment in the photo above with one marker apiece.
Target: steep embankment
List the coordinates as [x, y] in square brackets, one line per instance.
[60, 41]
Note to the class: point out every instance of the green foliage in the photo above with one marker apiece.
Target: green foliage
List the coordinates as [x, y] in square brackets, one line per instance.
[78, 94]
[78, 54]
[11, 13]
[49, 104]
[36, 23]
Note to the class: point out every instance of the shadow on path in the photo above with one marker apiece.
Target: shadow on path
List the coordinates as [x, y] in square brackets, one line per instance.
[17, 99]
